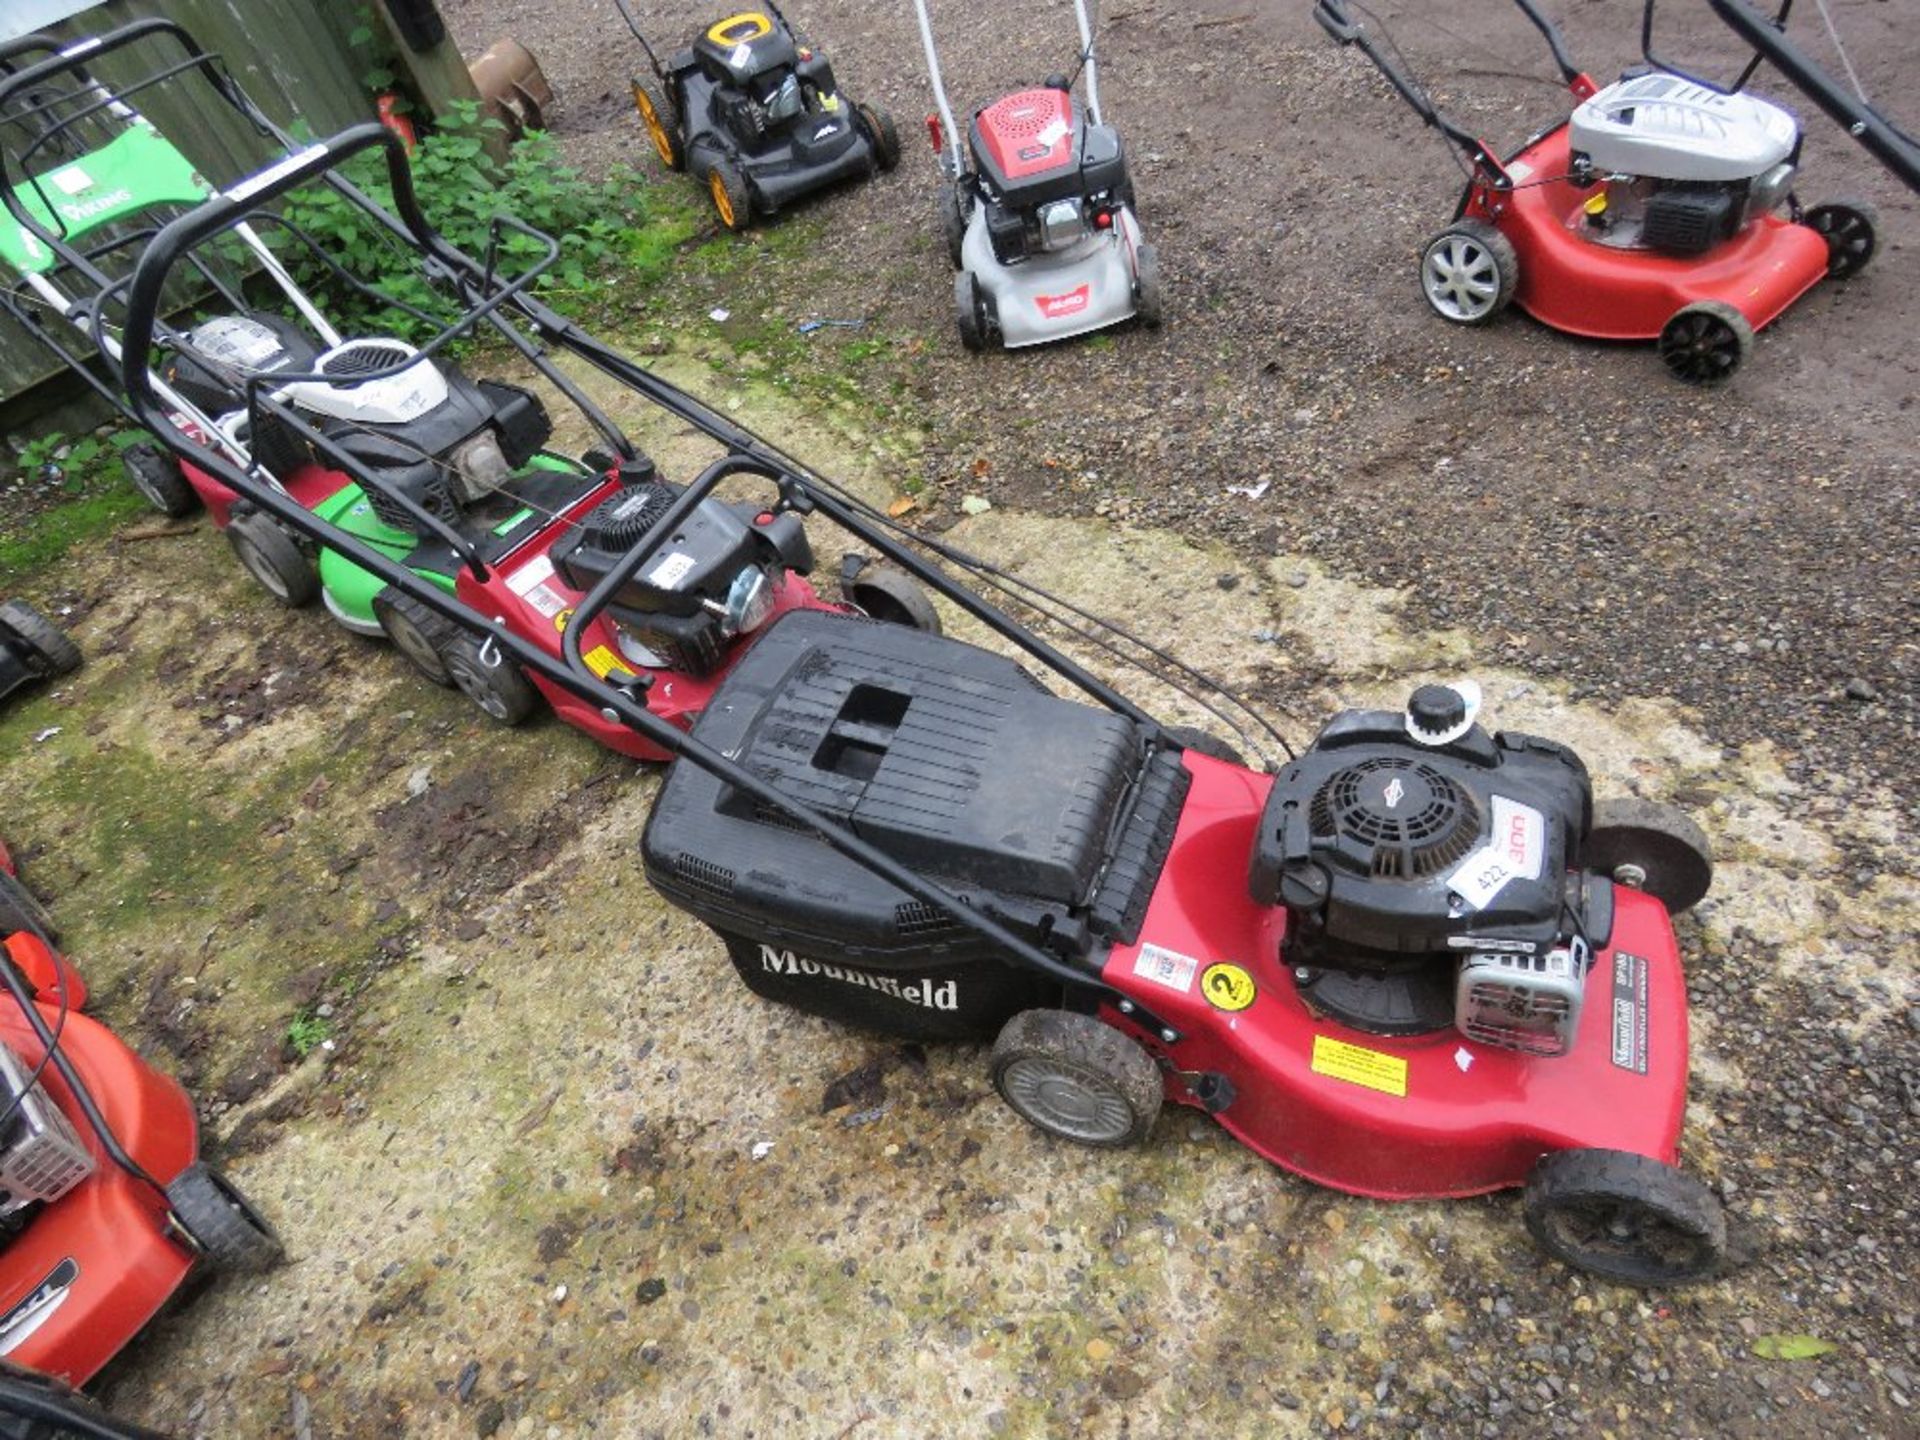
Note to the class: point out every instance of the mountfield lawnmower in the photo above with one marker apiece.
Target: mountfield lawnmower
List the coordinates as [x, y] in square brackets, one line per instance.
[105, 1207]
[1663, 209]
[1036, 208]
[755, 111]
[32, 648]
[390, 442]
[1417, 963]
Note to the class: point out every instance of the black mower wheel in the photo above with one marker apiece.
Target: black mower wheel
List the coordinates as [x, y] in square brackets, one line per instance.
[1705, 342]
[1202, 742]
[970, 311]
[883, 133]
[1625, 1217]
[1076, 1078]
[955, 204]
[1849, 227]
[1651, 847]
[416, 632]
[887, 593]
[56, 651]
[267, 553]
[156, 475]
[20, 909]
[661, 119]
[1468, 273]
[732, 201]
[1146, 286]
[226, 1227]
[499, 689]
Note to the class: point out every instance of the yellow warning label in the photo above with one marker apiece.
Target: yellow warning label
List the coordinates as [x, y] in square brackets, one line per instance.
[1359, 1066]
[1228, 987]
[604, 662]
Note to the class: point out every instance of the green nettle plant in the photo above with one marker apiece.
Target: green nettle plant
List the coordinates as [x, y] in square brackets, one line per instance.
[461, 188]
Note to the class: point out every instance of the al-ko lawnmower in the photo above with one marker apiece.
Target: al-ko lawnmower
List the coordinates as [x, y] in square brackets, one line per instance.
[1419, 961]
[1662, 209]
[755, 111]
[32, 648]
[388, 441]
[105, 1207]
[1036, 209]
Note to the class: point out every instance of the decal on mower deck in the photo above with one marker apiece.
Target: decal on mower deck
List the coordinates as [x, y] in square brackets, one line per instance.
[548, 601]
[1514, 851]
[1358, 1065]
[603, 662]
[1228, 987]
[36, 1307]
[1058, 307]
[1630, 1012]
[530, 574]
[941, 996]
[1165, 967]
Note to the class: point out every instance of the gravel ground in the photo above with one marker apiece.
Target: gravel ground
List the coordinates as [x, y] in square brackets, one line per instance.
[1711, 594]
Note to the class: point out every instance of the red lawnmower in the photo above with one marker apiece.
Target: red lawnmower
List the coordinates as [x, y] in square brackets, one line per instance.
[387, 441]
[105, 1207]
[1662, 209]
[1417, 962]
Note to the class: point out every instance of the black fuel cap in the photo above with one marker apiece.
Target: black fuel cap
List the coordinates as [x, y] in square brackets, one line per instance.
[1436, 709]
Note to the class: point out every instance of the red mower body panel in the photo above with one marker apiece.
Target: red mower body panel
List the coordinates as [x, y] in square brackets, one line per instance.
[536, 601]
[1604, 292]
[310, 486]
[92, 1268]
[47, 970]
[1393, 1118]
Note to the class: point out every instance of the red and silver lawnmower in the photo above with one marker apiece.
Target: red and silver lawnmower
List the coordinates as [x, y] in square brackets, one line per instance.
[1418, 961]
[105, 1206]
[1662, 209]
[1036, 209]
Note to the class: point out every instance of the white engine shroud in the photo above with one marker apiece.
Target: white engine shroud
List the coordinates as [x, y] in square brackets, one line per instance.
[1664, 127]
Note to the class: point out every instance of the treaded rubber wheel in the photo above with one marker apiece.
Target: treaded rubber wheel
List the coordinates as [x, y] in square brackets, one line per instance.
[416, 632]
[661, 119]
[20, 909]
[882, 131]
[1147, 298]
[1625, 1217]
[156, 475]
[266, 553]
[223, 1223]
[1468, 273]
[1705, 342]
[1076, 1078]
[56, 650]
[1652, 847]
[732, 201]
[887, 593]
[951, 203]
[500, 690]
[1201, 742]
[969, 311]
[1850, 228]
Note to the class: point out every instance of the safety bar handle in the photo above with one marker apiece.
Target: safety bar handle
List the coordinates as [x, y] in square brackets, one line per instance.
[1556, 42]
[221, 212]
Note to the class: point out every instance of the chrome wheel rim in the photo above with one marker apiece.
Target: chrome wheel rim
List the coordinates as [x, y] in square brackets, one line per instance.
[1462, 278]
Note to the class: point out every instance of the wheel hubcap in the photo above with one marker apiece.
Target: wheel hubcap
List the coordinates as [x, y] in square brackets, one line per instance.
[656, 130]
[1463, 278]
[408, 640]
[1067, 1102]
[722, 201]
[1625, 1232]
[475, 688]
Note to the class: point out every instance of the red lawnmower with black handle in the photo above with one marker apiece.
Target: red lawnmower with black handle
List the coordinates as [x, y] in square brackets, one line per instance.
[106, 1208]
[1418, 961]
[1663, 208]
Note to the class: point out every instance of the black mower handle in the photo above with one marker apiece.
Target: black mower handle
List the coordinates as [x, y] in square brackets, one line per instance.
[1879, 136]
[1333, 18]
[225, 210]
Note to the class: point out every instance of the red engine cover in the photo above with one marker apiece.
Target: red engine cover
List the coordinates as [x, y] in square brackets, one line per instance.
[1028, 133]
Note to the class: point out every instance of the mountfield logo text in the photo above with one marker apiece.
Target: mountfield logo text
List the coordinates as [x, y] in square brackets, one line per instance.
[944, 995]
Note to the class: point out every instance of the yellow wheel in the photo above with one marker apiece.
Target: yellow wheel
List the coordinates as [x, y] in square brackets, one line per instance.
[662, 122]
[730, 198]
